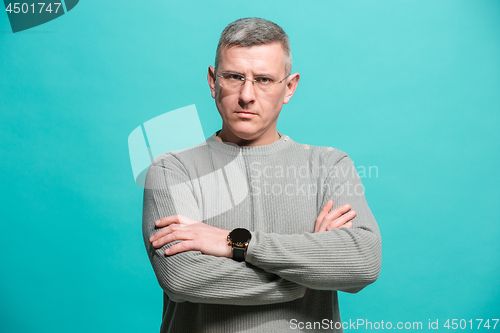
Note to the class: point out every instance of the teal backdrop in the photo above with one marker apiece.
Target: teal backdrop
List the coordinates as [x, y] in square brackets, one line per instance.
[409, 88]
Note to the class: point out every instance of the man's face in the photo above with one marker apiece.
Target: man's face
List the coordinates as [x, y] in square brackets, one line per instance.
[249, 113]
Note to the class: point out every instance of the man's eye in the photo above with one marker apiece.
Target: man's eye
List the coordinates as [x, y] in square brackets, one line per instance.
[235, 77]
[264, 80]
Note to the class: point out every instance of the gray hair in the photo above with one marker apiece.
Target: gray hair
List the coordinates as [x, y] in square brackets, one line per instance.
[252, 31]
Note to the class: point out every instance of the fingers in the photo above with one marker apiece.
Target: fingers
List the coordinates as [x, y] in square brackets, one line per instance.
[177, 220]
[159, 234]
[342, 221]
[164, 221]
[337, 212]
[169, 234]
[331, 217]
[347, 225]
[181, 247]
[322, 214]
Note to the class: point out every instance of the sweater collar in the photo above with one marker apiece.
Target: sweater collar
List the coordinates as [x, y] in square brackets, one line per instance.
[233, 149]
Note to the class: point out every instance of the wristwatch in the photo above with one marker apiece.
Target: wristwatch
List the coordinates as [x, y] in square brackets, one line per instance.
[238, 239]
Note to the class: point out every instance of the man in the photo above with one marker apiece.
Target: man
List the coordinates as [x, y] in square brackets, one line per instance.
[241, 230]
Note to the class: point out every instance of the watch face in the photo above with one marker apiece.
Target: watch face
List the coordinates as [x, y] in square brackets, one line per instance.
[240, 235]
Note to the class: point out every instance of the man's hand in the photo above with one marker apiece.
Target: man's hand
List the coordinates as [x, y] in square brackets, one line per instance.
[194, 235]
[210, 240]
[337, 218]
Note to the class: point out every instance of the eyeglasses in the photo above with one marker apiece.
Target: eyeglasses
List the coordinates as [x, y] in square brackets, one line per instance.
[234, 82]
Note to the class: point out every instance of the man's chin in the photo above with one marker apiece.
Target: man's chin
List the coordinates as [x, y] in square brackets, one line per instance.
[243, 128]
[247, 134]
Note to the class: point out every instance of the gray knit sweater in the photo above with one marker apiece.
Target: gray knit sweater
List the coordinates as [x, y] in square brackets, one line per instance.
[291, 275]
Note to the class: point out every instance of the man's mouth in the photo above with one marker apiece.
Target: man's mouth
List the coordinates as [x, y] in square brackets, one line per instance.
[246, 113]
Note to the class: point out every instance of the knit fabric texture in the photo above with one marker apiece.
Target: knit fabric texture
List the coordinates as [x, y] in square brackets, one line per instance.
[291, 275]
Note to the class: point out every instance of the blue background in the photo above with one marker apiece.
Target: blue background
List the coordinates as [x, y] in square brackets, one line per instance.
[411, 87]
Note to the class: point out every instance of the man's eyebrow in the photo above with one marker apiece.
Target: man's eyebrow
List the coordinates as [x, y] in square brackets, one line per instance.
[265, 74]
[255, 75]
[231, 71]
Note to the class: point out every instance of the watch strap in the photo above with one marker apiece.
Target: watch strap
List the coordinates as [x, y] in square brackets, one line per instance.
[239, 253]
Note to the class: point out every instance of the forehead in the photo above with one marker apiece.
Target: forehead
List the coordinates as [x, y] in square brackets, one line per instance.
[266, 58]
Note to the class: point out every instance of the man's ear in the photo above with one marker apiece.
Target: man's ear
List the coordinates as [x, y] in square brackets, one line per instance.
[211, 80]
[291, 86]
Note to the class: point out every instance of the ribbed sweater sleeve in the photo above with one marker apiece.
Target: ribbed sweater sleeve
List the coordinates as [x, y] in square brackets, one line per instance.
[345, 259]
[192, 276]
[260, 188]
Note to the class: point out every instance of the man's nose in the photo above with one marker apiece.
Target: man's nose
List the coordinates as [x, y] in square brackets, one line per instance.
[247, 93]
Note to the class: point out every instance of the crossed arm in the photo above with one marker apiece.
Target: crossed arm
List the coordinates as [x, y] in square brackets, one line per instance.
[199, 278]
[191, 259]
[198, 236]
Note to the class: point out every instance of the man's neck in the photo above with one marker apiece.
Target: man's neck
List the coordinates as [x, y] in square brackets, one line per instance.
[226, 136]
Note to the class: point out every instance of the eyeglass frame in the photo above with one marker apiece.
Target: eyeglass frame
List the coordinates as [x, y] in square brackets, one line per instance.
[245, 79]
